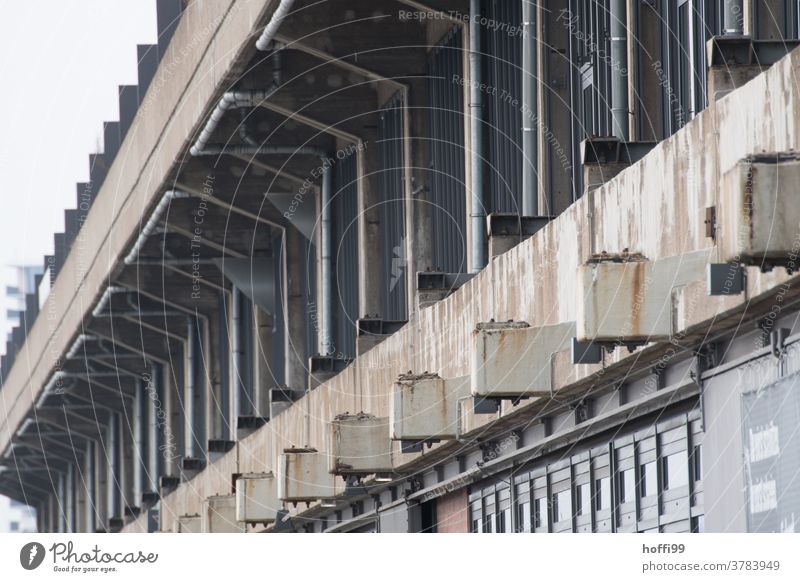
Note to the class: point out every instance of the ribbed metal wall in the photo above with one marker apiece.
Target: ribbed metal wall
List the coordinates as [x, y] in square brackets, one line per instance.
[345, 252]
[392, 212]
[504, 101]
[448, 191]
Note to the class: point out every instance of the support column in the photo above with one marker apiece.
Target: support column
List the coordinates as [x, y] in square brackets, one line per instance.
[296, 311]
[216, 350]
[264, 381]
[418, 209]
[554, 111]
[370, 260]
[113, 508]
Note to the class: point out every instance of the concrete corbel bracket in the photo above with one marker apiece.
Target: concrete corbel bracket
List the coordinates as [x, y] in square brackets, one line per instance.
[257, 498]
[758, 221]
[424, 407]
[219, 515]
[513, 360]
[359, 445]
[303, 476]
[626, 299]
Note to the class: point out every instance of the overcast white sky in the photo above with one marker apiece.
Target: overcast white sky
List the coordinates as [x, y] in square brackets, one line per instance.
[60, 65]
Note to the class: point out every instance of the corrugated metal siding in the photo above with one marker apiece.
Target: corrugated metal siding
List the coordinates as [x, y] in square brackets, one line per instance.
[504, 105]
[345, 249]
[448, 192]
[392, 213]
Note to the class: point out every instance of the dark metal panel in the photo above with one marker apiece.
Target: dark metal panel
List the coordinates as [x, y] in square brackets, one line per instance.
[770, 417]
[448, 191]
[392, 211]
[345, 253]
[504, 104]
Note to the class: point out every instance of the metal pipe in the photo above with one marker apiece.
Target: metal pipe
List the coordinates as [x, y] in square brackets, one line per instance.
[62, 515]
[91, 499]
[138, 441]
[153, 407]
[271, 29]
[189, 395]
[105, 298]
[619, 66]
[235, 358]
[733, 20]
[326, 256]
[234, 100]
[530, 198]
[152, 223]
[254, 149]
[78, 344]
[70, 495]
[112, 480]
[478, 212]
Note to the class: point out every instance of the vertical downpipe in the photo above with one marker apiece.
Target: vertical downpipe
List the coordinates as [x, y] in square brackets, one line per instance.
[619, 63]
[112, 482]
[530, 199]
[70, 498]
[153, 426]
[60, 505]
[478, 212]
[138, 440]
[91, 497]
[235, 359]
[733, 18]
[326, 250]
[188, 404]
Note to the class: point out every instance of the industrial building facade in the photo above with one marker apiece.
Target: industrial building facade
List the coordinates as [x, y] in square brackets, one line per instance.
[438, 266]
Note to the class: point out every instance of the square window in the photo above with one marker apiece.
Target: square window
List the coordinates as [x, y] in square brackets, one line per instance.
[676, 471]
[648, 484]
[602, 494]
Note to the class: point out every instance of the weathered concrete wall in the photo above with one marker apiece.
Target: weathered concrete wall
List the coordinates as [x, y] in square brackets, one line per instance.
[655, 207]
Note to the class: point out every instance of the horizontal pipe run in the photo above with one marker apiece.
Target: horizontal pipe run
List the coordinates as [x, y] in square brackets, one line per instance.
[151, 225]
